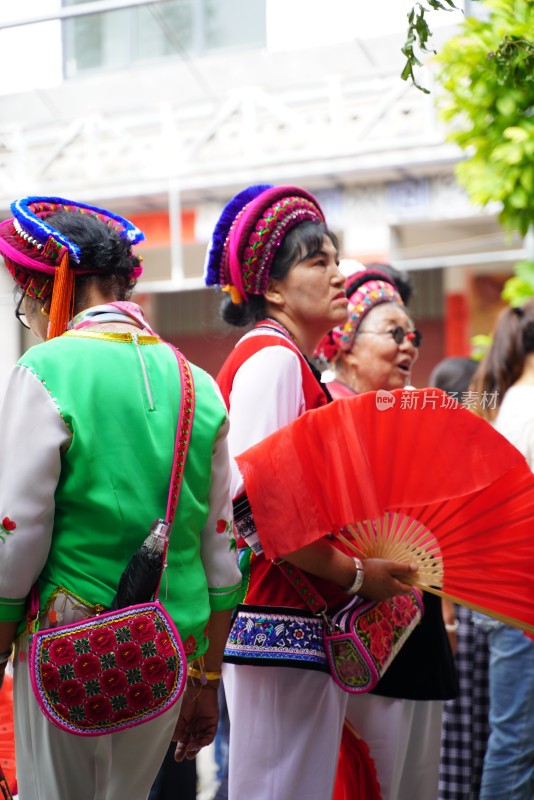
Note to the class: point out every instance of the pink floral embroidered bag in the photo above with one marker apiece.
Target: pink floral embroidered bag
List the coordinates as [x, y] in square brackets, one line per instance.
[362, 638]
[123, 667]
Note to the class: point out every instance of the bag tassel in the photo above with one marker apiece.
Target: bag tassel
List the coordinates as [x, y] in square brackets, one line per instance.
[62, 304]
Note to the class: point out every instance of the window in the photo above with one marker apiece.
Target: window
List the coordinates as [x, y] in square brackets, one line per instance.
[132, 36]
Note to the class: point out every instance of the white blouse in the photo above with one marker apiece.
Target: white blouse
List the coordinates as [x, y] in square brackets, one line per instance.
[266, 394]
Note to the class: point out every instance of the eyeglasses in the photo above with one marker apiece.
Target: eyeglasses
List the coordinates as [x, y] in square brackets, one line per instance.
[399, 334]
[20, 313]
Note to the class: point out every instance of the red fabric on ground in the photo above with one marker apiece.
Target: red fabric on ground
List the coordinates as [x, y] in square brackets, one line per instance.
[356, 774]
[7, 734]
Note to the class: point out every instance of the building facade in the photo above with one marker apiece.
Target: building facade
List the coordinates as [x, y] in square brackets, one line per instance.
[165, 109]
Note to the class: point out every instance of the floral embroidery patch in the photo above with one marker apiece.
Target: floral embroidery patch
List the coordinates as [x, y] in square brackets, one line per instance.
[225, 526]
[110, 671]
[190, 645]
[7, 527]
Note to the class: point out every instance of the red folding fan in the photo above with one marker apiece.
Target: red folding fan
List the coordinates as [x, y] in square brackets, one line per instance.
[416, 478]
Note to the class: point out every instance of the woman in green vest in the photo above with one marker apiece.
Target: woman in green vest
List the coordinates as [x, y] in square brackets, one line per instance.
[87, 429]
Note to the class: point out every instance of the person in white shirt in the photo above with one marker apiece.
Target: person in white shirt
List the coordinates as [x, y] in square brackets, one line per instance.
[505, 387]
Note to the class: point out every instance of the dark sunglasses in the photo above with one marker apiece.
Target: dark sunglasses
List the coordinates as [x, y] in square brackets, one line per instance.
[399, 334]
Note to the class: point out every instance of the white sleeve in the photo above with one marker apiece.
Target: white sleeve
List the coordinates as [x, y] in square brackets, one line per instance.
[218, 548]
[32, 433]
[266, 395]
[515, 421]
[528, 439]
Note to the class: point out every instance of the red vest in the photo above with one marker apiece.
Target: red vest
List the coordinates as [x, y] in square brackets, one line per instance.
[266, 585]
[314, 396]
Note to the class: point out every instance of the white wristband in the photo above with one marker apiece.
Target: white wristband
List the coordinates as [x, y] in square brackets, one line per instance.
[358, 580]
[452, 627]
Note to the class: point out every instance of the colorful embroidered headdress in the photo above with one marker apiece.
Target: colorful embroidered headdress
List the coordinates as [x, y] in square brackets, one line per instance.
[365, 290]
[248, 234]
[43, 261]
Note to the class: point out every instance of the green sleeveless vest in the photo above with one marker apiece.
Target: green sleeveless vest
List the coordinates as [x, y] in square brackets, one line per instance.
[119, 396]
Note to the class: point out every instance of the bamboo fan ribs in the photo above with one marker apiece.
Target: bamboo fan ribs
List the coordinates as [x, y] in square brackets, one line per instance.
[397, 538]
[424, 480]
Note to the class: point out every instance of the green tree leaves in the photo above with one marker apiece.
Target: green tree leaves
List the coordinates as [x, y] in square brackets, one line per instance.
[487, 74]
[520, 288]
[418, 36]
[487, 78]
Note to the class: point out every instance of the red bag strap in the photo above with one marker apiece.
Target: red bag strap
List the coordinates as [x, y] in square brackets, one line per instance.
[183, 432]
[181, 445]
[304, 587]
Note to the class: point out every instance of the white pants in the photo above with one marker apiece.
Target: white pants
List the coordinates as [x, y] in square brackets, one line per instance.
[285, 732]
[404, 739]
[55, 765]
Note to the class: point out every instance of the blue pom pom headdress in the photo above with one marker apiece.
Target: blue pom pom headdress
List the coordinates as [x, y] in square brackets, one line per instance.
[43, 261]
[30, 215]
[213, 271]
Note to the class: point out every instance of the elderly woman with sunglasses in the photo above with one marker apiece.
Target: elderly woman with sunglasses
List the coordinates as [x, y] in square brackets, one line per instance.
[401, 719]
[378, 345]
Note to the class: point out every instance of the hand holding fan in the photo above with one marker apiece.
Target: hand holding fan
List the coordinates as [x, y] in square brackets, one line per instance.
[419, 479]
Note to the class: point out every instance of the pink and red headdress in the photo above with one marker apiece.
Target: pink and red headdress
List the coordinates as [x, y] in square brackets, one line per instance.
[249, 233]
[365, 289]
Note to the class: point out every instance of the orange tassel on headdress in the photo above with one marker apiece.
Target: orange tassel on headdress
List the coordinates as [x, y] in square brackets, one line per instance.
[62, 306]
[234, 294]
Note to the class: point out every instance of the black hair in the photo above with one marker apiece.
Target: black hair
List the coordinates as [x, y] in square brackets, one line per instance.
[503, 364]
[403, 283]
[107, 256]
[301, 242]
[453, 375]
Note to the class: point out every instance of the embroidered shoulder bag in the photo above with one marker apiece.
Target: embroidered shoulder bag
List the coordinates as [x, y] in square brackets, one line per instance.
[121, 668]
[362, 638]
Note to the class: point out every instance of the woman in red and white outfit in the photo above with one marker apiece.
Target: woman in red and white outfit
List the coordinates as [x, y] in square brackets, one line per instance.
[273, 253]
[400, 719]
